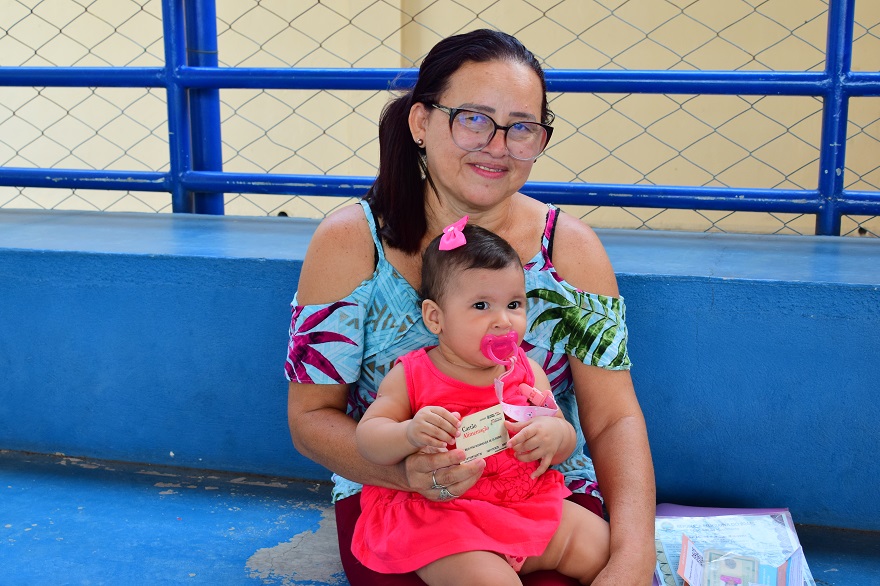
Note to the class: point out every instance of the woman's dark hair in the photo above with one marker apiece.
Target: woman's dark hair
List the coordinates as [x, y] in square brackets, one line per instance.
[483, 250]
[398, 194]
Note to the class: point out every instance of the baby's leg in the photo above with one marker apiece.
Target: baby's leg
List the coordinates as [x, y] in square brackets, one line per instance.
[480, 568]
[579, 548]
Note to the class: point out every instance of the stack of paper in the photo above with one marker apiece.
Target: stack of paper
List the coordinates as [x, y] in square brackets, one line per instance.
[700, 546]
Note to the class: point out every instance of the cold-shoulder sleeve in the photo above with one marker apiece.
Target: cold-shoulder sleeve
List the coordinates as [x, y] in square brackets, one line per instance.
[588, 326]
[326, 342]
[566, 321]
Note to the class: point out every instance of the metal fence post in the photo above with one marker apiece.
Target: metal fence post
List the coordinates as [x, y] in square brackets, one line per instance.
[204, 103]
[832, 154]
[179, 140]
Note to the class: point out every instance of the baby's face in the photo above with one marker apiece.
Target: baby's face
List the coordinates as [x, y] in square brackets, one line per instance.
[480, 302]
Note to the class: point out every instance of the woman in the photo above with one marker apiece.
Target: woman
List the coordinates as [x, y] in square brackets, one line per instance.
[463, 142]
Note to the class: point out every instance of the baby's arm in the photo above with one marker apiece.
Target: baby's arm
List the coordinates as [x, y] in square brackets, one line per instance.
[548, 439]
[389, 432]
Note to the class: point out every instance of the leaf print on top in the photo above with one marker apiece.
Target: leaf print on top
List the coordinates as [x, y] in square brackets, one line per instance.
[586, 327]
[302, 340]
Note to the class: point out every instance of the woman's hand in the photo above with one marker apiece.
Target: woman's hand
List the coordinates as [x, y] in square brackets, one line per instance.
[620, 571]
[423, 470]
[433, 427]
[545, 438]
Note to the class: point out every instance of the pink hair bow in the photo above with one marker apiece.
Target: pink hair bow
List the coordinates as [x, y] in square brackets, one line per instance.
[452, 236]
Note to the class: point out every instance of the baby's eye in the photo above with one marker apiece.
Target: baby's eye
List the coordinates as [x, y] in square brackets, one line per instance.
[514, 305]
[481, 305]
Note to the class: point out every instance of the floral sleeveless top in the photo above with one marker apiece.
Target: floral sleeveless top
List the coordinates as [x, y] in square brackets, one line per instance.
[356, 340]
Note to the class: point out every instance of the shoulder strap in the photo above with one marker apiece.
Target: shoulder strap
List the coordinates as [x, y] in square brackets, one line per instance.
[550, 230]
[371, 220]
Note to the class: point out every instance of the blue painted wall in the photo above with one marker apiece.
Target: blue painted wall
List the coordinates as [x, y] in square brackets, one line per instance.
[136, 337]
[761, 393]
[132, 337]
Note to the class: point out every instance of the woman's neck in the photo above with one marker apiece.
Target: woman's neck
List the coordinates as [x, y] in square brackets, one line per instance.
[440, 214]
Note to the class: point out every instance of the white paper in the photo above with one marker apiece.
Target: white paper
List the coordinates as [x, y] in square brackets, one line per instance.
[770, 537]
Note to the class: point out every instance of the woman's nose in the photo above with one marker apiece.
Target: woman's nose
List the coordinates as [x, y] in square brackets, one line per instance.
[498, 145]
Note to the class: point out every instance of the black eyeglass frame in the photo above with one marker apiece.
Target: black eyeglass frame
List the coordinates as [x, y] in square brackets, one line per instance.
[453, 112]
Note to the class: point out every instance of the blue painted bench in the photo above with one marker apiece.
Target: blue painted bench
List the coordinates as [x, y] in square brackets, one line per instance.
[160, 340]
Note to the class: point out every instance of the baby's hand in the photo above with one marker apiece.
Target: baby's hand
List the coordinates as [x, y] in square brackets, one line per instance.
[538, 438]
[433, 427]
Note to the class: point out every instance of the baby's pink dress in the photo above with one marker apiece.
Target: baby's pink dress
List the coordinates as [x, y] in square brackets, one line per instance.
[506, 511]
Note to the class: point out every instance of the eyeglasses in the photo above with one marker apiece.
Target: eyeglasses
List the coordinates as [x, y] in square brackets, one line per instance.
[472, 131]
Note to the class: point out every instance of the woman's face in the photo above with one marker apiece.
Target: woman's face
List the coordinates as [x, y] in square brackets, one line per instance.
[506, 91]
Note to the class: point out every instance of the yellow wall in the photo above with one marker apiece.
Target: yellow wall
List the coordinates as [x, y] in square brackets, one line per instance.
[734, 141]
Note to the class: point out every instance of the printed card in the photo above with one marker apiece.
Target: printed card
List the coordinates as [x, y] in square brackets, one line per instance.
[482, 433]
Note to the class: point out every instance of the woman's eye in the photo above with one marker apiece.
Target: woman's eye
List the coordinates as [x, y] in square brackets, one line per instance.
[474, 120]
[480, 305]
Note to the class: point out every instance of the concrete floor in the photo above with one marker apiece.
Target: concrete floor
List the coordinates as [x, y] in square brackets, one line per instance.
[838, 557]
[70, 521]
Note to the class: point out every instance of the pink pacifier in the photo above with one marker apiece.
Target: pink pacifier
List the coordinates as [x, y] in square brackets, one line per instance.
[500, 349]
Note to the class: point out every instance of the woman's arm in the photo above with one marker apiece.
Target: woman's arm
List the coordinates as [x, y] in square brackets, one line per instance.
[612, 422]
[322, 432]
[340, 256]
[618, 442]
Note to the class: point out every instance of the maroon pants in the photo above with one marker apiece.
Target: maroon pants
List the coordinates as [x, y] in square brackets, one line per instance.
[349, 509]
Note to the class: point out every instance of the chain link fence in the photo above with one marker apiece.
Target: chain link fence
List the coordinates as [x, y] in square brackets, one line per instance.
[693, 140]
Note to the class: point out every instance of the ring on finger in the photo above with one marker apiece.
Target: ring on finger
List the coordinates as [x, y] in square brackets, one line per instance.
[445, 495]
[434, 480]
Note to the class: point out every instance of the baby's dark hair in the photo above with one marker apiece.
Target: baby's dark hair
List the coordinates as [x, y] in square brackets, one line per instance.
[483, 250]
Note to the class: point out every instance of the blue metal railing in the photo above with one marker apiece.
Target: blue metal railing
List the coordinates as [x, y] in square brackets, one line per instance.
[196, 181]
